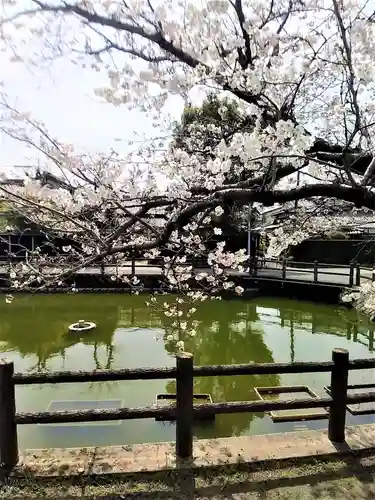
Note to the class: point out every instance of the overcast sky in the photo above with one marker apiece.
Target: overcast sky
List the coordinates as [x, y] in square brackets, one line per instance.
[63, 98]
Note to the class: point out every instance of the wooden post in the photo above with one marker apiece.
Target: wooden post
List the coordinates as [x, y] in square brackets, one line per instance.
[358, 275]
[8, 427]
[185, 415]
[315, 271]
[373, 274]
[284, 270]
[351, 274]
[339, 392]
[371, 340]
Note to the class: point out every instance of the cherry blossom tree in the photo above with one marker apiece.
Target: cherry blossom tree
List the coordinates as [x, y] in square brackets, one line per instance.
[199, 132]
[302, 71]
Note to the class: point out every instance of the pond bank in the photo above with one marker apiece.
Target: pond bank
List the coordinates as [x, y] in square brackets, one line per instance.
[350, 477]
[283, 466]
[208, 453]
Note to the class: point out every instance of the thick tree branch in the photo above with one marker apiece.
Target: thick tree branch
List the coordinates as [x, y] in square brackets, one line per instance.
[93, 17]
[359, 196]
[245, 59]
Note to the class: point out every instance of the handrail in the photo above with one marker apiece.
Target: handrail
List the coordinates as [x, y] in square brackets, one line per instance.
[260, 268]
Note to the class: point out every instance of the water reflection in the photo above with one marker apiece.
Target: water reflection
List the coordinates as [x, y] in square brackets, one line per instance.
[229, 333]
[40, 328]
[317, 319]
[34, 333]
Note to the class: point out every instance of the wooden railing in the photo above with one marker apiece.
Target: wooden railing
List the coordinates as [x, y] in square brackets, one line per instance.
[313, 272]
[185, 410]
[263, 269]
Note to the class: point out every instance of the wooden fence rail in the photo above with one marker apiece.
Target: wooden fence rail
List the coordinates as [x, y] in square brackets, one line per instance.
[198, 371]
[185, 409]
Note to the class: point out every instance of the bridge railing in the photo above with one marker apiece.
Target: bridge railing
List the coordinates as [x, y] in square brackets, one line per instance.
[261, 268]
[314, 272]
[185, 410]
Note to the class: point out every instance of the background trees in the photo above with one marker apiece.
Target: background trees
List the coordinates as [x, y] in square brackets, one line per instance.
[199, 133]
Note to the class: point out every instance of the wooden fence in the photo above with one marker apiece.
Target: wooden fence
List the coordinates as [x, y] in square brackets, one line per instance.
[185, 409]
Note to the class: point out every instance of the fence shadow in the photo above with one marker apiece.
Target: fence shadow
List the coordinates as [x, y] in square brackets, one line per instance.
[331, 478]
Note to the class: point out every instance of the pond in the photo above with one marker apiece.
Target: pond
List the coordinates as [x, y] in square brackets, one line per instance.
[34, 334]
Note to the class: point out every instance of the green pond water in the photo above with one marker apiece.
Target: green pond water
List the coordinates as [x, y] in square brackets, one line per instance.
[34, 334]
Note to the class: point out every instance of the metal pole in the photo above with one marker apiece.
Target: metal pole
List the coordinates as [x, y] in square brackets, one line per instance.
[249, 234]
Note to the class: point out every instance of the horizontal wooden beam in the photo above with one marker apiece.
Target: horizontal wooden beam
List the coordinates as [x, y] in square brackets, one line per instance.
[263, 368]
[68, 377]
[362, 364]
[170, 373]
[152, 412]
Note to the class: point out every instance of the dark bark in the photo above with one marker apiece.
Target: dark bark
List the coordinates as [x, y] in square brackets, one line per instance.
[354, 158]
[94, 376]
[199, 371]
[202, 409]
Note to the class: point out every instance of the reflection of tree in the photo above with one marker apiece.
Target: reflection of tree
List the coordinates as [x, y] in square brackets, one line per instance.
[38, 326]
[320, 319]
[226, 335]
[227, 332]
[109, 356]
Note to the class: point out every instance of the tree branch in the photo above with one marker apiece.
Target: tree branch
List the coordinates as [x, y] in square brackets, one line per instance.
[246, 59]
[358, 196]
[93, 17]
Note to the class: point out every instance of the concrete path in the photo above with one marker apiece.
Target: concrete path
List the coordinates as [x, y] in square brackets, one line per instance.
[109, 460]
[289, 466]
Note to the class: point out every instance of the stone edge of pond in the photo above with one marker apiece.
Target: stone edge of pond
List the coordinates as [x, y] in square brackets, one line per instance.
[208, 453]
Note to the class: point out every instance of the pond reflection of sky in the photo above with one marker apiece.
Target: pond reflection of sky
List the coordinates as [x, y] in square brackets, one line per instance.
[33, 333]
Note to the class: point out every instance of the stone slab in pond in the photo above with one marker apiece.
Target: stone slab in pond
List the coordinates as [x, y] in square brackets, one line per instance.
[358, 408]
[77, 405]
[166, 400]
[287, 393]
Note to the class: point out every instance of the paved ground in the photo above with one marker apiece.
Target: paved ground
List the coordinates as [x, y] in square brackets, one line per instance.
[289, 466]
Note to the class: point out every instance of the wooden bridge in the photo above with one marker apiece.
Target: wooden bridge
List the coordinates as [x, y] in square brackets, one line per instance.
[107, 278]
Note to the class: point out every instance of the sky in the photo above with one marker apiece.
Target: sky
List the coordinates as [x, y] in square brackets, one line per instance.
[62, 96]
